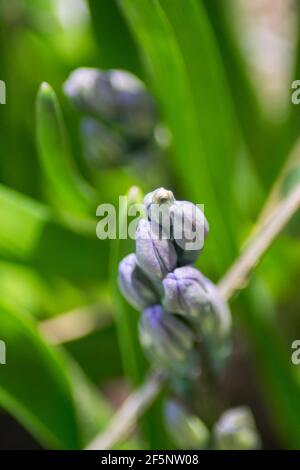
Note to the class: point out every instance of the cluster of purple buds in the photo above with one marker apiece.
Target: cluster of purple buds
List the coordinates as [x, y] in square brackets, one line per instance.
[119, 115]
[183, 313]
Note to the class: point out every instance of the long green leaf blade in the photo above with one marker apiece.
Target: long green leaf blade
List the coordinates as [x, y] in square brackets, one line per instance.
[33, 384]
[111, 28]
[278, 374]
[209, 89]
[67, 187]
[172, 84]
[126, 316]
[30, 234]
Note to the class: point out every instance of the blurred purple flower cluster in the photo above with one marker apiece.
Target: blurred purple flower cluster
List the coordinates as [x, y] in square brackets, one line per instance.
[118, 115]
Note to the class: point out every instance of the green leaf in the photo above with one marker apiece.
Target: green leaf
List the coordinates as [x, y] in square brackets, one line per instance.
[126, 317]
[69, 190]
[30, 234]
[244, 97]
[278, 374]
[46, 390]
[99, 343]
[23, 287]
[33, 384]
[208, 85]
[92, 411]
[290, 180]
[195, 106]
[114, 39]
[261, 134]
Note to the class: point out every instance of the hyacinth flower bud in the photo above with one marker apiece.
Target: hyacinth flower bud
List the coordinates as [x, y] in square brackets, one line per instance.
[101, 145]
[135, 107]
[91, 92]
[236, 430]
[114, 96]
[186, 257]
[156, 255]
[134, 284]
[169, 342]
[185, 429]
[187, 292]
[158, 204]
[190, 229]
[158, 196]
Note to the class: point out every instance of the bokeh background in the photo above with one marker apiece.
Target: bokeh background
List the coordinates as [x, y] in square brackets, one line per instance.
[220, 74]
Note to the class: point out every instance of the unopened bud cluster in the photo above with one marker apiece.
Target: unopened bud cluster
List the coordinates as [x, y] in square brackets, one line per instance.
[183, 313]
[183, 317]
[119, 115]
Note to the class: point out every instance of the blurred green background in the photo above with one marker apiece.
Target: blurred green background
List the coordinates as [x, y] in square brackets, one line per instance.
[72, 348]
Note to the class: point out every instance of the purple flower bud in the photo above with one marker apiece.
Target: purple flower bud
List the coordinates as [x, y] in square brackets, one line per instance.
[186, 430]
[158, 204]
[190, 226]
[91, 91]
[169, 342]
[113, 95]
[155, 254]
[136, 111]
[186, 257]
[159, 196]
[187, 292]
[182, 221]
[236, 430]
[135, 285]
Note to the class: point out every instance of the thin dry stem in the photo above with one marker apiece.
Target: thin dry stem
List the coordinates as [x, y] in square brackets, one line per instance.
[126, 417]
[237, 276]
